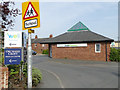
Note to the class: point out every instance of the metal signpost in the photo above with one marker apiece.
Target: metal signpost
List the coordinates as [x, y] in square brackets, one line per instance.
[30, 19]
[29, 62]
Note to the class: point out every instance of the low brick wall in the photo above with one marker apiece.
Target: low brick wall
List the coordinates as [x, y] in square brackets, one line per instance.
[3, 77]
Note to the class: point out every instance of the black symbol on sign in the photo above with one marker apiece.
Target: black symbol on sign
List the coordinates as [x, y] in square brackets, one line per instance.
[30, 12]
[11, 44]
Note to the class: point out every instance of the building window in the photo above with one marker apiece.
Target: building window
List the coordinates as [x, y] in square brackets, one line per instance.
[43, 45]
[35, 44]
[97, 47]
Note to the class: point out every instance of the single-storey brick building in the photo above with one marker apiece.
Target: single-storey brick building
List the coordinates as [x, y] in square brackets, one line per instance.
[37, 46]
[79, 43]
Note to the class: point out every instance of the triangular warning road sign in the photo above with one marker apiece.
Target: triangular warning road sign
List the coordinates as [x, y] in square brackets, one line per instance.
[30, 12]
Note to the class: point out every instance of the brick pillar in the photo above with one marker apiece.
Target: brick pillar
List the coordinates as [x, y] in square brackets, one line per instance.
[3, 77]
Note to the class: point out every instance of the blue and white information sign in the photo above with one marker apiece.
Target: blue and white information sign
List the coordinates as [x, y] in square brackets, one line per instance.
[12, 56]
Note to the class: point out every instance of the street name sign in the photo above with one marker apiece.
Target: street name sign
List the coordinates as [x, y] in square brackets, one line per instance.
[12, 39]
[30, 15]
[12, 56]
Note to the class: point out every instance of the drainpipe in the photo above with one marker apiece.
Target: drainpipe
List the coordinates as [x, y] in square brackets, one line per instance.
[49, 49]
[106, 51]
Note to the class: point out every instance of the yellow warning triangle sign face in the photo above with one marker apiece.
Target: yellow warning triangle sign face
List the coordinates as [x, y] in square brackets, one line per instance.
[30, 15]
[30, 12]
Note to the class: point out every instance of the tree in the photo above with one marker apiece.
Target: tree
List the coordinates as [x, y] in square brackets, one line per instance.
[8, 14]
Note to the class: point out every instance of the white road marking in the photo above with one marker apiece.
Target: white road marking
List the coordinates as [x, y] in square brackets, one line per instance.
[62, 86]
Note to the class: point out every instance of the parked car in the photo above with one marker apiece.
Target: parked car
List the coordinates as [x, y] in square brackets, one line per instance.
[33, 52]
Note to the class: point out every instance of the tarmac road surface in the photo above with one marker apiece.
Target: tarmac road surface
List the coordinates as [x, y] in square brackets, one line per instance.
[63, 73]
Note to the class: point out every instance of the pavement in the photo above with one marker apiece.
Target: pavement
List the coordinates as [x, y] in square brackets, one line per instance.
[64, 73]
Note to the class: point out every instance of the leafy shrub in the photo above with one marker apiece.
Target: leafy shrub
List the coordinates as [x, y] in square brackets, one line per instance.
[118, 54]
[14, 70]
[2, 59]
[35, 81]
[25, 70]
[115, 54]
[36, 76]
[45, 51]
[14, 73]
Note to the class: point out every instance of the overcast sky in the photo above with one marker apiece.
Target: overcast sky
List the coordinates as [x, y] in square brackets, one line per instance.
[57, 17]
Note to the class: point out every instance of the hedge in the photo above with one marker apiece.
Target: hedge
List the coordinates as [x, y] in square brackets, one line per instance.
[115, 54]
[45, 51]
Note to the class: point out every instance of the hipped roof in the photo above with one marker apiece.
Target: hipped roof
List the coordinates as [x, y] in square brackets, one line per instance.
[77, 34]
[78, 37]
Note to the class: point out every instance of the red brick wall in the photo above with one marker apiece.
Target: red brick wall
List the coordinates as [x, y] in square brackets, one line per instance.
[3, 77]
[39, 48]
[81, 53]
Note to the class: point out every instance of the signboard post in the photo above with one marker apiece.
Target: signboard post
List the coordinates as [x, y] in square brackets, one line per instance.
[30, 19]
[12, 56]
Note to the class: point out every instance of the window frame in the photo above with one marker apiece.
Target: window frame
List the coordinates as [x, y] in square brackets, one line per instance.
[43, 45]
[96, 48]
[35, 45]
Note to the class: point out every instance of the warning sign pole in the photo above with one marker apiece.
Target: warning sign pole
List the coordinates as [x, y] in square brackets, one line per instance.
[29, 60]
[30, 19]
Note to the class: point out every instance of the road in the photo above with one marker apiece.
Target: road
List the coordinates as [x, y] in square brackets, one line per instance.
[62, 73]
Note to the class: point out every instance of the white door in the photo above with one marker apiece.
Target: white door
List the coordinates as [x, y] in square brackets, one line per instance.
[51, 51]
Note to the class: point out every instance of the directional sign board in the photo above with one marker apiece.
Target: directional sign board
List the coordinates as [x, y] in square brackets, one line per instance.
[12, 56]
[12, 39]
[30, 15]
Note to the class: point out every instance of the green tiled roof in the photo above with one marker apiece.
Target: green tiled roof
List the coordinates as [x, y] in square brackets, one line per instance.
[77, 27]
